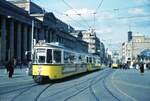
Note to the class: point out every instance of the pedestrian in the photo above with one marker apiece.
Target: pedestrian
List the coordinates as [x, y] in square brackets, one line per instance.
[142, 68]
[10, 68]
[109, 64]
[125, 66]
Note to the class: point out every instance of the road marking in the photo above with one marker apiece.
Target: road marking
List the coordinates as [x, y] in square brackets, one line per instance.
[120, 89]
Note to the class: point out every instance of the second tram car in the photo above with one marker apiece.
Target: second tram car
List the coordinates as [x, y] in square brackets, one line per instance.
[53, 61]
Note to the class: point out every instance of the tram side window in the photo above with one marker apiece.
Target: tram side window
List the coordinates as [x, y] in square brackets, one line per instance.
[72, 58]
[41, 59]
[66, 57]
[49, 56]
[81, 58]
[90, 59]
[57, 56]
[69, 57]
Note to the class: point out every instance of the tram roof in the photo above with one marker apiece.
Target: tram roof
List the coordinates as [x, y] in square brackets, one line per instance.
[59, 46]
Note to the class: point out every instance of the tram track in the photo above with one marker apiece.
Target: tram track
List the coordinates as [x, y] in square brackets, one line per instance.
[38, 96]
[105, 86]
[75, 86]
[80, 87]
[13, 99]
[108, 90]
[13, 88]
[62, 90]
[90, 87]
[26, 90]
[13, 94]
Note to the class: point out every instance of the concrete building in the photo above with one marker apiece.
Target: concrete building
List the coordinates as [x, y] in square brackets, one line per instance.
[131, 49]
[93, 42]
[17, 26]
[95, 46]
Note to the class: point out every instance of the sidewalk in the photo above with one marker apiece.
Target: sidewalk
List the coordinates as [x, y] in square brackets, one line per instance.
[130, 84]
[20, 75]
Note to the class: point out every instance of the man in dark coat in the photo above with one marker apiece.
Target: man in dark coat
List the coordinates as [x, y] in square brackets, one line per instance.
[142, 67]
[10, 69]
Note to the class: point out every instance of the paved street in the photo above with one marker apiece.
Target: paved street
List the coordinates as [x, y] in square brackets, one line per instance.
[103, 85]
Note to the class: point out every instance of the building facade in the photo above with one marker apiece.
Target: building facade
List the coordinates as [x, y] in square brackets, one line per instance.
[93, 42]
[17, 25]
[15, 32]
[131, 49]
[95, 46]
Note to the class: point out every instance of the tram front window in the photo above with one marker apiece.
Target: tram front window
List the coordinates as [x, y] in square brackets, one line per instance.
[49, 56]
[90, 59]
[57, 56]
[41, 59]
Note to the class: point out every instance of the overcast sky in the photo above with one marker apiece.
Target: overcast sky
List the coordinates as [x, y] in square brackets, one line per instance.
[113, 18]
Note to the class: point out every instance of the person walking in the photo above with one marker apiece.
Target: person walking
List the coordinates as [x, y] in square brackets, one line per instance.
[142, 68]
[10, 68]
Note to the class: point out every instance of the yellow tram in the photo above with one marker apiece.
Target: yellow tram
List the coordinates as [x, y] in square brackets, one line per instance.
[53, 61]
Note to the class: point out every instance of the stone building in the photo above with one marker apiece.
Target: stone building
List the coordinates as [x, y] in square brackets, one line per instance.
[132, 48]
[17, 25]
[15, 32]
[95, 46]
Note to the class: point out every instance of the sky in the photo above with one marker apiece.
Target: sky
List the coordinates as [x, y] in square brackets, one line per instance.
[111, 19]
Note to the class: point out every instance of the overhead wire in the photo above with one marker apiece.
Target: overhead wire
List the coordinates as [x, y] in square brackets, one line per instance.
[60, 13]
[76, 12]
[96, 11]
[100, 4]
[67, 15]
